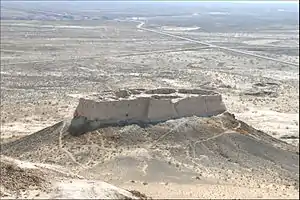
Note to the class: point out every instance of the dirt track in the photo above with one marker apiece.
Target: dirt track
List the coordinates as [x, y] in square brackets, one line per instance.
[140, 26]
[46, 65]
[213, 150]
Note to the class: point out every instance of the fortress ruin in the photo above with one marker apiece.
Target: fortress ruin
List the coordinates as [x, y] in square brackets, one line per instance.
[142, 107]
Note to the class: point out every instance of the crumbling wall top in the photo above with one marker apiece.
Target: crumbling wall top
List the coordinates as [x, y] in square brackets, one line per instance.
[143, 107]
[159, 93]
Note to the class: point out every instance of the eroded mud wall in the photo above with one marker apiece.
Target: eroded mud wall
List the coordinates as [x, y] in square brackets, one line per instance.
[152, 108]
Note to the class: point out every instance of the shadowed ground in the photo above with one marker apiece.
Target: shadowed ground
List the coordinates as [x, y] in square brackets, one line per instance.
[210, 149]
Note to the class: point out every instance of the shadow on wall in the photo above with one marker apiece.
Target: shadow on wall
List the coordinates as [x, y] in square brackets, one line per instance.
[149, 107]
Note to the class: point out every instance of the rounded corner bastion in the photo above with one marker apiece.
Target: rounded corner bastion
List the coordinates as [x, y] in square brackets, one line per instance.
[141, 106]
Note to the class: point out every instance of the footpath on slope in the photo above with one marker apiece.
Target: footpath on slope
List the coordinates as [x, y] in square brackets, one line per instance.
[188, 151]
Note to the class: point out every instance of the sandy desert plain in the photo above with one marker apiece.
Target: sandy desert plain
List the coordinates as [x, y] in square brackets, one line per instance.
[53, 54]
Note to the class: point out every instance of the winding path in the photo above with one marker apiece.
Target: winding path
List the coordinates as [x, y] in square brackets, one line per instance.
[141, 24]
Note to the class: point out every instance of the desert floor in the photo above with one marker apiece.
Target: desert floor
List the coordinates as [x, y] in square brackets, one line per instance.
[46, 66]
